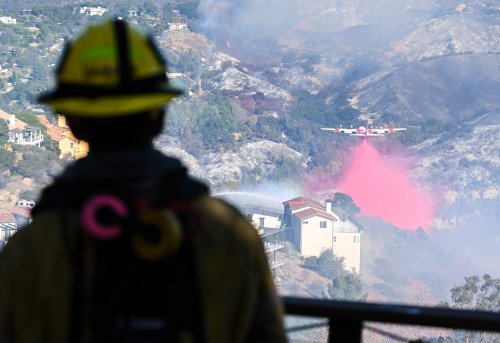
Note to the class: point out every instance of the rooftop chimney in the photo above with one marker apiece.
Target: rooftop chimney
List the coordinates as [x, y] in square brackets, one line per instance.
[328, 205]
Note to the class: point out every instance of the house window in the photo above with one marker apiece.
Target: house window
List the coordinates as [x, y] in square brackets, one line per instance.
[334, 239]
[71, 145]
[304, 222]
[322, 224]
[355, 239]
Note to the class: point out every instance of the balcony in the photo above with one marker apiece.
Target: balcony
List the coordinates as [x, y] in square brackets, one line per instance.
[346, 320]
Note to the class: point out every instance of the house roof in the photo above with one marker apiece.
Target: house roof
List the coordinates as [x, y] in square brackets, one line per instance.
[300, 202]
[22, 211]
[55, 132]
[6, 217]
[311, 212]
[31, 128]
[19, 123]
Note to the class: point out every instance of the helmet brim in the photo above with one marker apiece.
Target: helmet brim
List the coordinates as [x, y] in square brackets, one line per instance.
[108, 105]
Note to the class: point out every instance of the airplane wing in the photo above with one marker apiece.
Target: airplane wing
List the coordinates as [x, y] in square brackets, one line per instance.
[367, 134]
[339, 130]
[387, 130]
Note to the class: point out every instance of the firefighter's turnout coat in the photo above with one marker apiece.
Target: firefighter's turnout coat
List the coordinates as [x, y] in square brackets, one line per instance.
[61, 282]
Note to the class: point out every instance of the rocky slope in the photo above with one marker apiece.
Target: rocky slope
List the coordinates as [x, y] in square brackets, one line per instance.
[466, 161]
[249, 163]
[448, 88]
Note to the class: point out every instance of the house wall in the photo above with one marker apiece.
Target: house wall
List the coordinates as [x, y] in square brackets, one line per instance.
[296, 234]
[93, 11]
[8, 20]
[314, 238]
[271, 222]
[7, 230]
[342, 237]
[348, 245]
[21, 220]
[73, 147]
[61, 121]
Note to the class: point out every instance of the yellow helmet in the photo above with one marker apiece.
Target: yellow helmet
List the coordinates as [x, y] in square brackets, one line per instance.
[111, 70]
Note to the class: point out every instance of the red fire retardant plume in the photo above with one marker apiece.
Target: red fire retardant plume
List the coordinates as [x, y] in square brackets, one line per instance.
[381, 188]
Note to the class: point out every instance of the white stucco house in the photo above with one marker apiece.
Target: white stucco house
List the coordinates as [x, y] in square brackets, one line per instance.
[8, 20]
[266, 216]
[21, 133]
[177, 26]
[11, 221]
[313, 227]
[93, 11]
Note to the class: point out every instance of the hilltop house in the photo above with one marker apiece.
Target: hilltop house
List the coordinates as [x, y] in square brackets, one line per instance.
[21, 133]
[175, 75]
[313, 228]
[8, 20]
[69, 145]
[266, 216]
[8, 225]
[93, 11]
[30, 135]
[13, 220]
[177, 26]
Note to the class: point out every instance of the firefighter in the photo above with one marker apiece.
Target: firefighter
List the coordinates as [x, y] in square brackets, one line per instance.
[125, 246]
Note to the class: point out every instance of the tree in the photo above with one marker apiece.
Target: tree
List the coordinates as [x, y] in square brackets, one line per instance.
[475, 294]
[35, 163]
[217, 123]
[326, 264]
[4, 133]
[7, 160]
[344, 285]
[345, 202]
[31, 194]
[149, 8]
[347, 286]
[188, 9]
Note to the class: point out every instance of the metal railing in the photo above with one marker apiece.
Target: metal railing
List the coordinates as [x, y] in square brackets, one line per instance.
[270, 247]
[346, 318]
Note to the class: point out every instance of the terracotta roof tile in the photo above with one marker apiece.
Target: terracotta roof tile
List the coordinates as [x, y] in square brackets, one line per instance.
[55, 132]
[22, 211]
[311, 212]
[301, 202]
[304, 214]
[7, 217]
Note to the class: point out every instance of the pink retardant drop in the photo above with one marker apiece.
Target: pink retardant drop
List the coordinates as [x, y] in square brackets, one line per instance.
[381, 188]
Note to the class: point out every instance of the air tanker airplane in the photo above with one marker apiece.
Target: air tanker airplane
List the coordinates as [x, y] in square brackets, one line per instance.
[364, 131]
